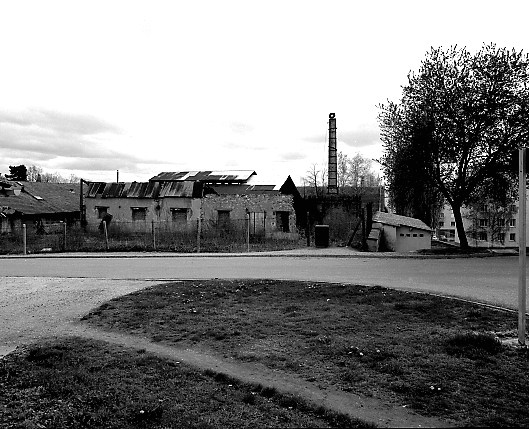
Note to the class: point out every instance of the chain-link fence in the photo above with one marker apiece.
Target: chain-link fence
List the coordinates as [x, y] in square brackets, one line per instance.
[235, 235]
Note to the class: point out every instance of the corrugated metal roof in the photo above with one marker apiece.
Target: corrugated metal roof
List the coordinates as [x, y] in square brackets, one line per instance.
[206, 176]
[180, 189]
[143, 190]
[398, 220]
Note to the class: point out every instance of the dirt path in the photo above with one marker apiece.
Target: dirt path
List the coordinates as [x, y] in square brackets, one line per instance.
[32, 308]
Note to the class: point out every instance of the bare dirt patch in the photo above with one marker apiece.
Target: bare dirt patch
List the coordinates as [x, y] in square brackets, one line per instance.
[35, 307]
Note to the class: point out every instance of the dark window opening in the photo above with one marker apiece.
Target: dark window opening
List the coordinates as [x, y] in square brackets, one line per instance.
[223, 218]
[283, 221]
[139, 213]
[101, 212]
[179, 216]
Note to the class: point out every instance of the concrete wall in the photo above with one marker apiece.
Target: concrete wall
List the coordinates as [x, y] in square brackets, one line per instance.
[410, 239]
[263, 209]
[157, 210]
[390, 237]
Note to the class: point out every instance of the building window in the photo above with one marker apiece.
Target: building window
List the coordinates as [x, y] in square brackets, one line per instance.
[452, 224]
[482, 236]
[441, 224]
[512, 236]
[283, 221]
[179, 216]
[512, 222]
[441, 215]
[483, 222]
[421, 235]
[101, 212]
[501, 222]
[139, 213]
[223, 218]
[415, 235]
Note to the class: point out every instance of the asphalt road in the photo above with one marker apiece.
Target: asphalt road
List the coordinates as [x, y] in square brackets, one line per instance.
[492, 280]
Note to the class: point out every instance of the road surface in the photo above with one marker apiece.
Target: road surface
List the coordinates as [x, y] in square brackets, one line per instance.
[492, 280]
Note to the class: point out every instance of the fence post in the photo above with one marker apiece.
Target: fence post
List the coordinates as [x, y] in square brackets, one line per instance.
[248, 232]
[64, 243]
[24, 238]
[199, 226]
[153, 236]
[106, 232]
[308, 229]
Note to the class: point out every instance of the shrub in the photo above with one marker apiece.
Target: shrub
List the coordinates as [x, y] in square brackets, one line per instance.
[473, 345]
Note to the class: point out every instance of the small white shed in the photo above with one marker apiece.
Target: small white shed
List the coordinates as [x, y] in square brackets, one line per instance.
[398, 233]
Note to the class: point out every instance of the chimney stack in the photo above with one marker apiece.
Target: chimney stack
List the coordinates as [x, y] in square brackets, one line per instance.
[332, 187]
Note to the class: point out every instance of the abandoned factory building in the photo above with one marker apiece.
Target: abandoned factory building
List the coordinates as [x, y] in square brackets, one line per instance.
[179, 199]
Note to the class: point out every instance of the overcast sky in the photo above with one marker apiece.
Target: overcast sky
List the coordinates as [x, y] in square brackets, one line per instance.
[88, 88]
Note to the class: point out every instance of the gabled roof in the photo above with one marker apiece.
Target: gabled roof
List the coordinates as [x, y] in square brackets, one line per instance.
[398, 220]
[42, 198]
[226, 176]
[143, 189]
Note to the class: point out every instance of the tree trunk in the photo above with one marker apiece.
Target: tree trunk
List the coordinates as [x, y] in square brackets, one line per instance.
[463, 242]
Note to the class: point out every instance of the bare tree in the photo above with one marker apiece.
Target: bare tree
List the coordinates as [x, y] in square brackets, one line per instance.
[36, 174]
[315, 178]
[356, 171]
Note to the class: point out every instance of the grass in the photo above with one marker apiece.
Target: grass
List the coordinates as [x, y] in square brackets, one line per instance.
[122, 240]
[437, 356]
[78, 383]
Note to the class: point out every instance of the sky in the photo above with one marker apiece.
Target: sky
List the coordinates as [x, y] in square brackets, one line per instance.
[143, 87]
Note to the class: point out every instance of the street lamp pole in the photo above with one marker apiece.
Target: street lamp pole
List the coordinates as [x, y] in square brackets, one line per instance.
[522, 224]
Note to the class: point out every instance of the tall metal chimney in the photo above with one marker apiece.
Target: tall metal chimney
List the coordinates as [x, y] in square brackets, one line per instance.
[332, 187]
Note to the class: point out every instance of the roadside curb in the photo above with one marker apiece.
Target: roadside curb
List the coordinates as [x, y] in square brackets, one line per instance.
[279, 254]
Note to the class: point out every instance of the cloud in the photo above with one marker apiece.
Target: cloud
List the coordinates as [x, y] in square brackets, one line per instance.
[241, 127]
[293, 156]
[360, 137]
[58, 122]
[319, 138]
[61, 140]
[246, 146]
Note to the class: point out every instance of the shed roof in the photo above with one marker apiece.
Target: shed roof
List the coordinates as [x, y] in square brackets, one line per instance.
[398, 220]
[224, 176]
[42, 198]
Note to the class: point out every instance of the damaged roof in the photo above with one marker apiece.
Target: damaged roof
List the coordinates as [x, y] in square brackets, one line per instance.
[257, 186]
[244, 189]
[152, 189]
[41, 198]
[224, 176]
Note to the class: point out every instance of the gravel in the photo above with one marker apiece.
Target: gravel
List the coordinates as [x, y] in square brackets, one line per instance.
[36, 307]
